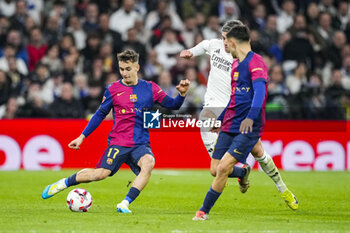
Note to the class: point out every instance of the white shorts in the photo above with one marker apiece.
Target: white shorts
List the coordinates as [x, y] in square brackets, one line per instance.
[214, 105]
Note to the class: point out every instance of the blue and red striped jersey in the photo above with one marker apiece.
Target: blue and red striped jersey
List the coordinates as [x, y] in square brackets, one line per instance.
[128, 104]
[244, 74]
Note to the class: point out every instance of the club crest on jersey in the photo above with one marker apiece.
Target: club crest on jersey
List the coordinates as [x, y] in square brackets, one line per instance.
[109, 161]
[235, 76]
[133, 98]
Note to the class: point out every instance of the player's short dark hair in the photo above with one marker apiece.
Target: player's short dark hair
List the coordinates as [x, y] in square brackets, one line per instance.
[229, 24]
[239, 32]
[128, 55]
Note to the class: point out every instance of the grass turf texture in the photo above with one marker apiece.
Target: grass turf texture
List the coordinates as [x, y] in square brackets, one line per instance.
[170, 201]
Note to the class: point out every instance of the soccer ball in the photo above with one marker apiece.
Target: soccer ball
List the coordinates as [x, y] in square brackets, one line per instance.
[79, 200]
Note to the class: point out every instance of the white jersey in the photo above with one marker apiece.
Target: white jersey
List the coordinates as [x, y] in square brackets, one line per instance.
[219, 80]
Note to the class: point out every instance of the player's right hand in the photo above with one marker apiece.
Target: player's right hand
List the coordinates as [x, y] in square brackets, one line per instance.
[75, 144]
[183, 87]
[186, 54]
[246, 126]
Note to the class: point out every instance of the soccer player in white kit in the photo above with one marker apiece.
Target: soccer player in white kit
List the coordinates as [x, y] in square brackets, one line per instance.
[219, 84]
[216, 99]
[219, 81]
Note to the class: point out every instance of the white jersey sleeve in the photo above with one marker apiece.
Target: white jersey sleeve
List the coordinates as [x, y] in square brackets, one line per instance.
[201, 48]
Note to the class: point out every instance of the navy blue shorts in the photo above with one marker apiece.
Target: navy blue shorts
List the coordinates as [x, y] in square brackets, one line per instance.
[114, 156]
[237, 144]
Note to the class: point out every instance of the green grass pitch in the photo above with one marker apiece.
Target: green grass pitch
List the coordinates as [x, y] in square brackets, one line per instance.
[170, 201]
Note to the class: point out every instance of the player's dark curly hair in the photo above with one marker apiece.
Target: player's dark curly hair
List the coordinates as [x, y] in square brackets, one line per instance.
[229, 24]
[239, 32]
[128, 55]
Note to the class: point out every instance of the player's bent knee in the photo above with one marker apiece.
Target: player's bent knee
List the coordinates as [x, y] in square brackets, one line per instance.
[147, 163]
[222, 169]
[148, 160]
[258, 150]
[101, 173]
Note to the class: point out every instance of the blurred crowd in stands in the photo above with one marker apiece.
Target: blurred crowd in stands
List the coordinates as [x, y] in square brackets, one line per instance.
[57, 57]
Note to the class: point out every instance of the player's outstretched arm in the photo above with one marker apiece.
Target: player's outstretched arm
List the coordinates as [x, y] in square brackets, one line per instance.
[187, 54]
[75, 144]
[183, 87]
[198, 50]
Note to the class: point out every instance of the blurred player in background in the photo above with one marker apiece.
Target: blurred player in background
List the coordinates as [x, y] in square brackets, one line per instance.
[243, 121]
[128, 142]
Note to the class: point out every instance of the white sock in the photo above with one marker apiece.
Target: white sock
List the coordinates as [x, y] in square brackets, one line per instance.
[125, 202]
[209, 140]
[62, 184]
[271, 170]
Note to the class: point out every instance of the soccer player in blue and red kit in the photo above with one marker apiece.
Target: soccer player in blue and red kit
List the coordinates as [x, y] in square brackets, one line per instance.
[128, 142]
[243, 118]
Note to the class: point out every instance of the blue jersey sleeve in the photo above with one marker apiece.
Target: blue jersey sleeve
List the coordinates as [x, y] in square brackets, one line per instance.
[166, 101]
[107, 102]
[172, 103]
[100, 114]
[259, 87]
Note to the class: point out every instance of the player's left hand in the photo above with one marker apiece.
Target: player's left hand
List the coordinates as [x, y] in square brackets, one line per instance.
[246, 126]
[75, 144]
[183, 87]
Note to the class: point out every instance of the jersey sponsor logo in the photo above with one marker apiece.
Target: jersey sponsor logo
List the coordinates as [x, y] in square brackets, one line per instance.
[221, 63]
[241, 89]
[237, 152]
[119, 94]
[235, 76]
[133, 98]
[256, 69]
[103, 99]
[123, 111]
[217, 51]
[151, 120]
